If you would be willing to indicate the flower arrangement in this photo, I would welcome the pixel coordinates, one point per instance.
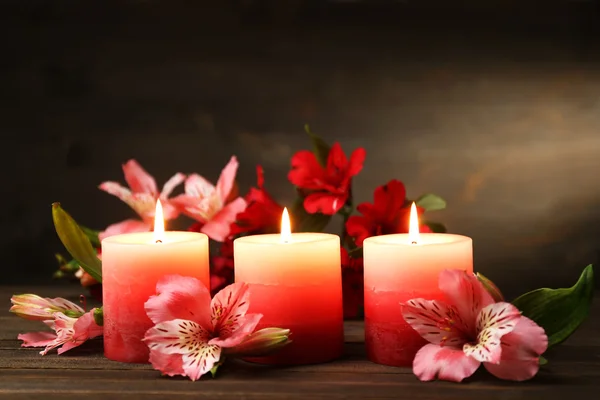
(192, 334)
(322, 179)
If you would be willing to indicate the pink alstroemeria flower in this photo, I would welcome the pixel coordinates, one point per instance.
(69, 333)
(211, 204)
(36, 308)
(141, 197)
(192, 333)
(472, 329)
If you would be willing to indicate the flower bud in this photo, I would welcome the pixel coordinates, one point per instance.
(34, 307)
(261, 343)
(491, 288)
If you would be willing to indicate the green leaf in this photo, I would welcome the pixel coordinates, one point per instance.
(213, 370)
(305, 222)
(436, 227)
(543, 361)
(99, 316)
(559, 311)
(431, 202)
(76, 242)
(92, 235)
(320, 148)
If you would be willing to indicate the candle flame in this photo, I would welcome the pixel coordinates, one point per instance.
(159, 223)
(286, 230)
(413, 226)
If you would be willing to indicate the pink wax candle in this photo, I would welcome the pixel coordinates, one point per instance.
(296, 283)
(398, 268)
(131, 265)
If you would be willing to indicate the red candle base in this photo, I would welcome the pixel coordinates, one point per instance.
(122, 341)
(392, 343)
(389, 340)
(313, 314)
(315, 344)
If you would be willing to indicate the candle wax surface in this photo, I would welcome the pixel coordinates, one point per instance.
(132, 264)
(395, 271)
(295, 285)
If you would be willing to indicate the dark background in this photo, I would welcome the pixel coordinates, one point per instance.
(494, 105)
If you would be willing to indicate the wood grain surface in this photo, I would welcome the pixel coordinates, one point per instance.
(573, 372)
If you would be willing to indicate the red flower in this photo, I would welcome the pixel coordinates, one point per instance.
(389, 213)
(262, 214)
(352, 285)
(329, 187)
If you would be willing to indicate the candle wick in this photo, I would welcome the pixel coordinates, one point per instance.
(414, 242)
(158, 241)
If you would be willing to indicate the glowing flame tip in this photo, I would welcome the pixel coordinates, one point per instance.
(159, 223)
(413, 226)
(286, 230)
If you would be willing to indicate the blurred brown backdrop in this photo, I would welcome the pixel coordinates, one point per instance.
(494, 106)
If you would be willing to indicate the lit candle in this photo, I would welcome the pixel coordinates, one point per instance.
(131, 265)
(398, 268)
(296, 283)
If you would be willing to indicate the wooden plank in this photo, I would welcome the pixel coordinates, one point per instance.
(574, 371)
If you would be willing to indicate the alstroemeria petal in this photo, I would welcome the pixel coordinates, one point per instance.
(245, 328)
(306, 171)
(116, 189)
(218, 227)
(179, 297)
(201, 361)
(178, 336)
(228, 308)
(36, 339)
(171, 184)
(446, 363)
(493, 322)
(435, 321)
(142, 203)
(324, 202)
(167, 364)
(521, 350)
(357, 159)
(466, 293)
(127, 226)
(227, 179)
(197, 186)
(188, 339)
(138, 179)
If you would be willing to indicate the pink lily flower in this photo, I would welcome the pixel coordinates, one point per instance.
(69, 333)
(36, 308)
(211, 205)
(193, 333)
(141, 197)
(472, 329)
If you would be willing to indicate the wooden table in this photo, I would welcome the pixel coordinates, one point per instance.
(573, 372)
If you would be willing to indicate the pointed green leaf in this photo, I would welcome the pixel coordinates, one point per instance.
(99, 316)
(320, 148)
(76, 242)
(436, 227)
(92, 235)
(305, 222)
(431, 202)
(543, 361)
(559, 311)
(213, 370)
